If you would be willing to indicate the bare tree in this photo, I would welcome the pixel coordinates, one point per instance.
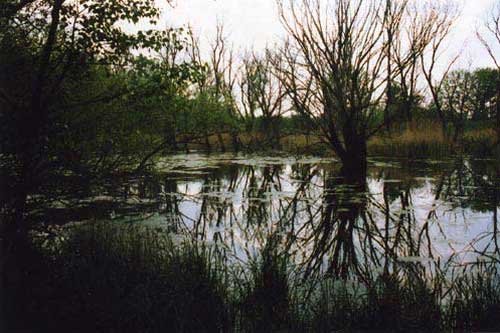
(224, 77)
(334, 67)
(413, 34)
(194, 56)
(248, 91)
(340, 65)
(220, 80)
(440, 20)
(262, 94)
(491, 40)
(393, 19)
(222, 63)
(220, 66)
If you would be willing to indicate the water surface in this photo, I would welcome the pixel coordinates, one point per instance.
(439, 213)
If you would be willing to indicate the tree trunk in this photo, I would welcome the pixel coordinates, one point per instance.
(236, 141)
(354, 162)
(33, 130)
(271, 132)
(170, 136)
(207, 143)
(444, 128)
(276, 133)
(458, 129)
(221, 142)
(408, 109)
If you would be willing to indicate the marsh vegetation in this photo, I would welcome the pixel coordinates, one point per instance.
(257, 243)
(346, 178)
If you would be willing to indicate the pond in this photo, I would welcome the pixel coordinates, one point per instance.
(440, 213)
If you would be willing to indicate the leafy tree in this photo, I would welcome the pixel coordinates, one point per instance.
(68, 66)
(490, 38)
(457, 99)
(468, 95)
(486, 81)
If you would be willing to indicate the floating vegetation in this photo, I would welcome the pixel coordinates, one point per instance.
(415, 259)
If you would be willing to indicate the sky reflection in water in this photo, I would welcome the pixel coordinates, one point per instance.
(437, 212)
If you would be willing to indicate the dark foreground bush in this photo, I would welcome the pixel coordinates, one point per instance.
(109, 278)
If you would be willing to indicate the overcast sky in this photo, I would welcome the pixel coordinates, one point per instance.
(255, 23)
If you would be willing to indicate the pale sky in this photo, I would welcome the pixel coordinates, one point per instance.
(255, 23)
(248, 22)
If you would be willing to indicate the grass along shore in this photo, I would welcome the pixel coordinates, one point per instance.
(423, 139)
(105, 277)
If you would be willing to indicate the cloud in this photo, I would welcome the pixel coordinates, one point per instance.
(255, 23)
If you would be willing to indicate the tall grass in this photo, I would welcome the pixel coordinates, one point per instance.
(112, 279)
(266, 301)
(108, 278)
(475, 303)
(388, 304)
(418, 139)
(425, 139)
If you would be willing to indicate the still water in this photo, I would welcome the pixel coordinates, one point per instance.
(439, 213)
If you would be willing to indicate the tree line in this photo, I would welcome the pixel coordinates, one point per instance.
(82, 92)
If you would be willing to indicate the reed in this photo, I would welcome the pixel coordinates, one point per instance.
(418, 139)
(475, 303)
(115, 278)
(426, 139)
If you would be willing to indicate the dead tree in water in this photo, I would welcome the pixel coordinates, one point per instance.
(334, 70)
(340, 66)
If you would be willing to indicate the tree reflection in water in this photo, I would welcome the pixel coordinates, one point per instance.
(433, 217)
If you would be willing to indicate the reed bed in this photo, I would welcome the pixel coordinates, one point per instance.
(425, 139)
(418, 139)
(104, 277)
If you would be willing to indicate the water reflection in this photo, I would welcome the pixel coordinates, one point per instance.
(441, 215)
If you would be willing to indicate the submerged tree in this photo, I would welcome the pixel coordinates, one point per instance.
(340, 65)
